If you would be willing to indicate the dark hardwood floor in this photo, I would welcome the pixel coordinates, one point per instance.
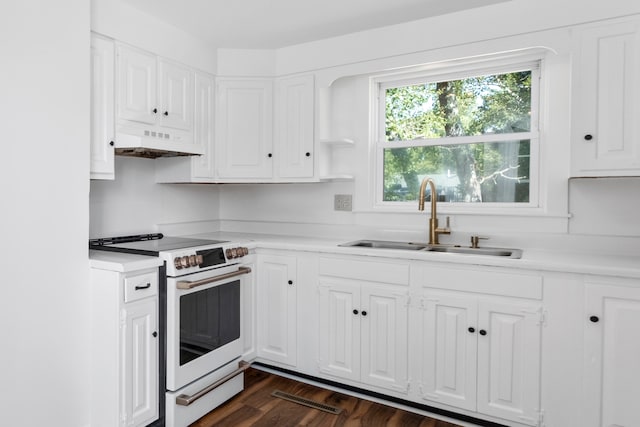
(256, 407)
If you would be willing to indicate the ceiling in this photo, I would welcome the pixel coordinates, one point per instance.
(272, 24)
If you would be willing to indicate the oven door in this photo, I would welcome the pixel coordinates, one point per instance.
(203, 323)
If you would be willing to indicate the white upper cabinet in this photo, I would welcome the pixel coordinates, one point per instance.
(244, 120)
(262, 134)
(102, 107)
(195, 168)
(142, 97)
(612, 354)
(137, 80)
(176, 95)
(294, 130)
(154, 104)
(606, 97)
(204, 166)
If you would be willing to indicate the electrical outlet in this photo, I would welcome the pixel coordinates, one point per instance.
(342, 202)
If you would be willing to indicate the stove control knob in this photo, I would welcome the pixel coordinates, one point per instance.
(199, 260)
(176, 263)
(192, 261)
(228, 253)
(184, 261)
(245, 251)
(234, 252)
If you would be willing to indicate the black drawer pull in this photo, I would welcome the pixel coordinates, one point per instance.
(140, 287)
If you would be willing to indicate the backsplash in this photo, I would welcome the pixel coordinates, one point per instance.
(134, 203)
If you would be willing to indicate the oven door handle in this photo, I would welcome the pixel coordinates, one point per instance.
(186, 400)
(185, 284)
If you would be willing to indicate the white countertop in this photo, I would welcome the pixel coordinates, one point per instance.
(534, 259)
(121, 262)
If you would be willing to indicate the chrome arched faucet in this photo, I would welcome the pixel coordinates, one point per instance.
(434, 231)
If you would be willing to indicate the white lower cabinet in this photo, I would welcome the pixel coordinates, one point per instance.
(277, 308)
(249, 306)
(363, 332)
(612, 356)
(481, 353)
(125, 348)
(140, 353)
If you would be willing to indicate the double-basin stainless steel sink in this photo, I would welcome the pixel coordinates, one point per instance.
(452, 249)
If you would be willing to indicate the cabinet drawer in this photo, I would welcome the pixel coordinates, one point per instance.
(140, 286)
(484, 281)
(379, 271)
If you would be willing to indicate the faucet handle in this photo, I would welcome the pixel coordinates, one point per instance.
(475, 240)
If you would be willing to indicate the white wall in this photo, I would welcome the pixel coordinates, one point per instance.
(605, 207)
(133, 203)
(513, 17)
(44, 229)
(121, 21)
(498, 28)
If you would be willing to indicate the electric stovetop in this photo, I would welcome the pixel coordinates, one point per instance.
(148, 244)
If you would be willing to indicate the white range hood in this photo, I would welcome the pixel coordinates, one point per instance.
(152, 143)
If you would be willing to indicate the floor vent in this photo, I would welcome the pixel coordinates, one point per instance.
(306, 402)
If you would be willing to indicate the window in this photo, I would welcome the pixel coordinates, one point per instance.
(475, 133)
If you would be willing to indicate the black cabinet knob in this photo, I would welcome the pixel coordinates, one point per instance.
(364, 313)
(307, 154)
(155, 334)
(482, 332)
(166, 113)
(290, 282)
(111, 143)
(594, 319)
(588, 137)
(269, 155)
(355, 311)
(155, 110)
(472, 329)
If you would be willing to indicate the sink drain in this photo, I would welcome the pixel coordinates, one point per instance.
(306, 402)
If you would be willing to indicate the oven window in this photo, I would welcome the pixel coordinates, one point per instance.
(209, 319)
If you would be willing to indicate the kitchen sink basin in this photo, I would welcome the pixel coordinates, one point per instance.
(452, 249)
(500, 252)
(383, 244)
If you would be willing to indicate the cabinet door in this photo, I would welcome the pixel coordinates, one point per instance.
(203, 166)
(509, 360)
(140, 353)
(137, 80)
(384, 328)
(277, 308)
(248, 320)
(102, 107)
(294, 117)
(339, 334)
(449, 349)
(244, 128)
(176, 96)
(612, 355)
(606, 138)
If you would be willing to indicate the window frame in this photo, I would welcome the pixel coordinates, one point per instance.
(448, 72)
